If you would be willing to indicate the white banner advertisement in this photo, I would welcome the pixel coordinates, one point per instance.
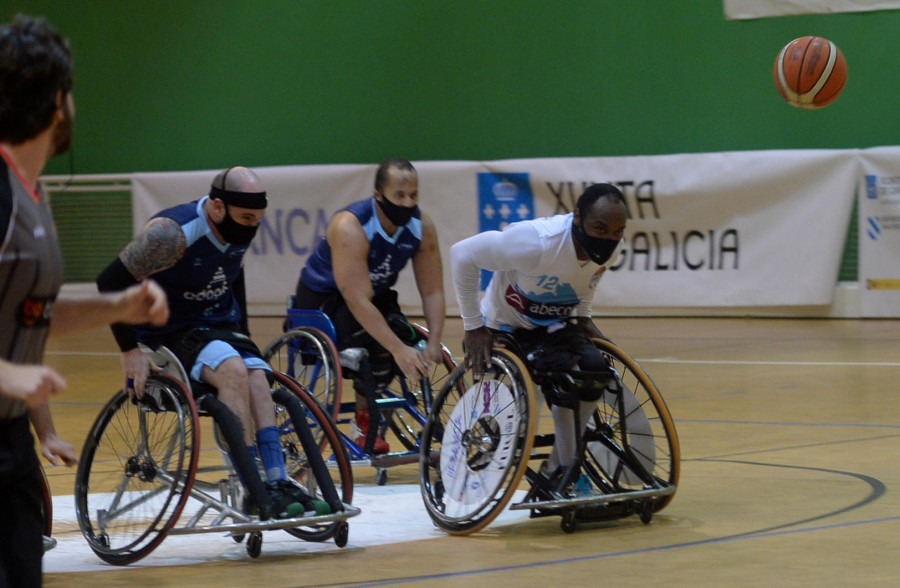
(736, 229)
(745, 9)
(879, 232)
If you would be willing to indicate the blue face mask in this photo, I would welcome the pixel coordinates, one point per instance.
(398, 215)
(598, 249)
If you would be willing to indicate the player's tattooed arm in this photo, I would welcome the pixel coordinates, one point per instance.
(159, 246)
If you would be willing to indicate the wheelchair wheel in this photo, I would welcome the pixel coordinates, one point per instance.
(297, 460)
(309, 356)
(476, 444)
(407, 424)
(136, 470)
(631, 443)
(46, 504)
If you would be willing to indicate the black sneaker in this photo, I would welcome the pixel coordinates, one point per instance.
(290, 498)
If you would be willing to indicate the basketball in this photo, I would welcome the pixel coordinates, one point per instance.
(810, 72)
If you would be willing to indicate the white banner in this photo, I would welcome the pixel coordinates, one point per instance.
(740, 229)
(745, 9)
(879, 232)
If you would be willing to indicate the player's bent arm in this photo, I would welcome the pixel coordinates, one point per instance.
(516, 248)
(158, 246)
(141, 303)
(349, 252)
(429, 274)
(33, 384)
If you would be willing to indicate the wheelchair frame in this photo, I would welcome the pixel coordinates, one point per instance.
(307, 352)
(139, 466)
(471, 467)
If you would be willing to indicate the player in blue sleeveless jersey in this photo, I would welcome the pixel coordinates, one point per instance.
(351, 274)
(195, 251)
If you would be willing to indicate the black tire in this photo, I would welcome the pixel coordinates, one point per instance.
(297, 460)
(309, 356)
(46, 504)
(631, 443)
(136, 470)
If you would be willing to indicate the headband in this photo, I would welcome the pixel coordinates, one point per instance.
(253, 200)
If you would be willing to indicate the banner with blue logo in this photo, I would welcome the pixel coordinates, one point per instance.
(503, 198)
(879, 233)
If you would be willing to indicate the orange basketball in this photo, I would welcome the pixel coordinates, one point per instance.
(810, 72)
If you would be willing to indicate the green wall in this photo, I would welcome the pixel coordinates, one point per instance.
(184, 84)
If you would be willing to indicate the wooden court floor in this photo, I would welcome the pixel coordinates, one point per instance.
(790, 445)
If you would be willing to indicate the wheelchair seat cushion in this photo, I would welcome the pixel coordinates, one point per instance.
(190, 343)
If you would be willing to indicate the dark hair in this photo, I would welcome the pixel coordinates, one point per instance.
(595, 192)
(35, 67)
(381, 176)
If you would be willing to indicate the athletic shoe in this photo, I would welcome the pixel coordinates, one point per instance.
(292, 494)
(359, 428)
(583, 486)
(49, 543)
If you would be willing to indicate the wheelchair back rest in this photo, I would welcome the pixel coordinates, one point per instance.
(164, 358)
(307, 317)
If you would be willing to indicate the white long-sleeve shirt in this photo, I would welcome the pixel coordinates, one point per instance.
(537, 281)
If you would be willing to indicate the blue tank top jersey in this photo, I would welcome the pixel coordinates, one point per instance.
(200, 285)
(387, 255)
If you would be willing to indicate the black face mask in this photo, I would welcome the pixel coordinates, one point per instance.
(398, 215)
(234, 232)
(598, 249)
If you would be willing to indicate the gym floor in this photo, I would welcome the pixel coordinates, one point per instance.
(790, 437)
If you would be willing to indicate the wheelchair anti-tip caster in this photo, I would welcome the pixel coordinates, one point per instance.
(254, 544)
(646, 512)
(568, 522)
(342, 534)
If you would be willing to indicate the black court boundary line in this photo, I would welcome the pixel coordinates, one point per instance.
(877, 490)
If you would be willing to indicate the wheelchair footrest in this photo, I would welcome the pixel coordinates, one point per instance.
(595, 499)
(267, 525)
(390, 403)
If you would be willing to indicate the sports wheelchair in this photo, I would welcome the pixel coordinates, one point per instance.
(141, 470)
(480, 440)
(307, 352)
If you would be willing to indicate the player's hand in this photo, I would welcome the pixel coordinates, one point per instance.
(411, 362)
(136, 366)
(144, 303)
(434, 355)
(478, 344)
(54, 447)
(33, 384)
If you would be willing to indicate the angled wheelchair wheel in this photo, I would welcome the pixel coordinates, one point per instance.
(476, 444)
(309, 356)
(136, 470)
(631, 443)
(46, 504)
(334, 464)
(407, 424)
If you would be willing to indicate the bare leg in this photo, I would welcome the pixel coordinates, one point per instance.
(232, 382)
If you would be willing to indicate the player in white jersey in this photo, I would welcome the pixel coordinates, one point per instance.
(545, 273)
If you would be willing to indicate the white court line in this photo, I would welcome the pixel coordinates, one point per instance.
(392, 513)
(737, 362)
(92, 353)
(639, 360)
